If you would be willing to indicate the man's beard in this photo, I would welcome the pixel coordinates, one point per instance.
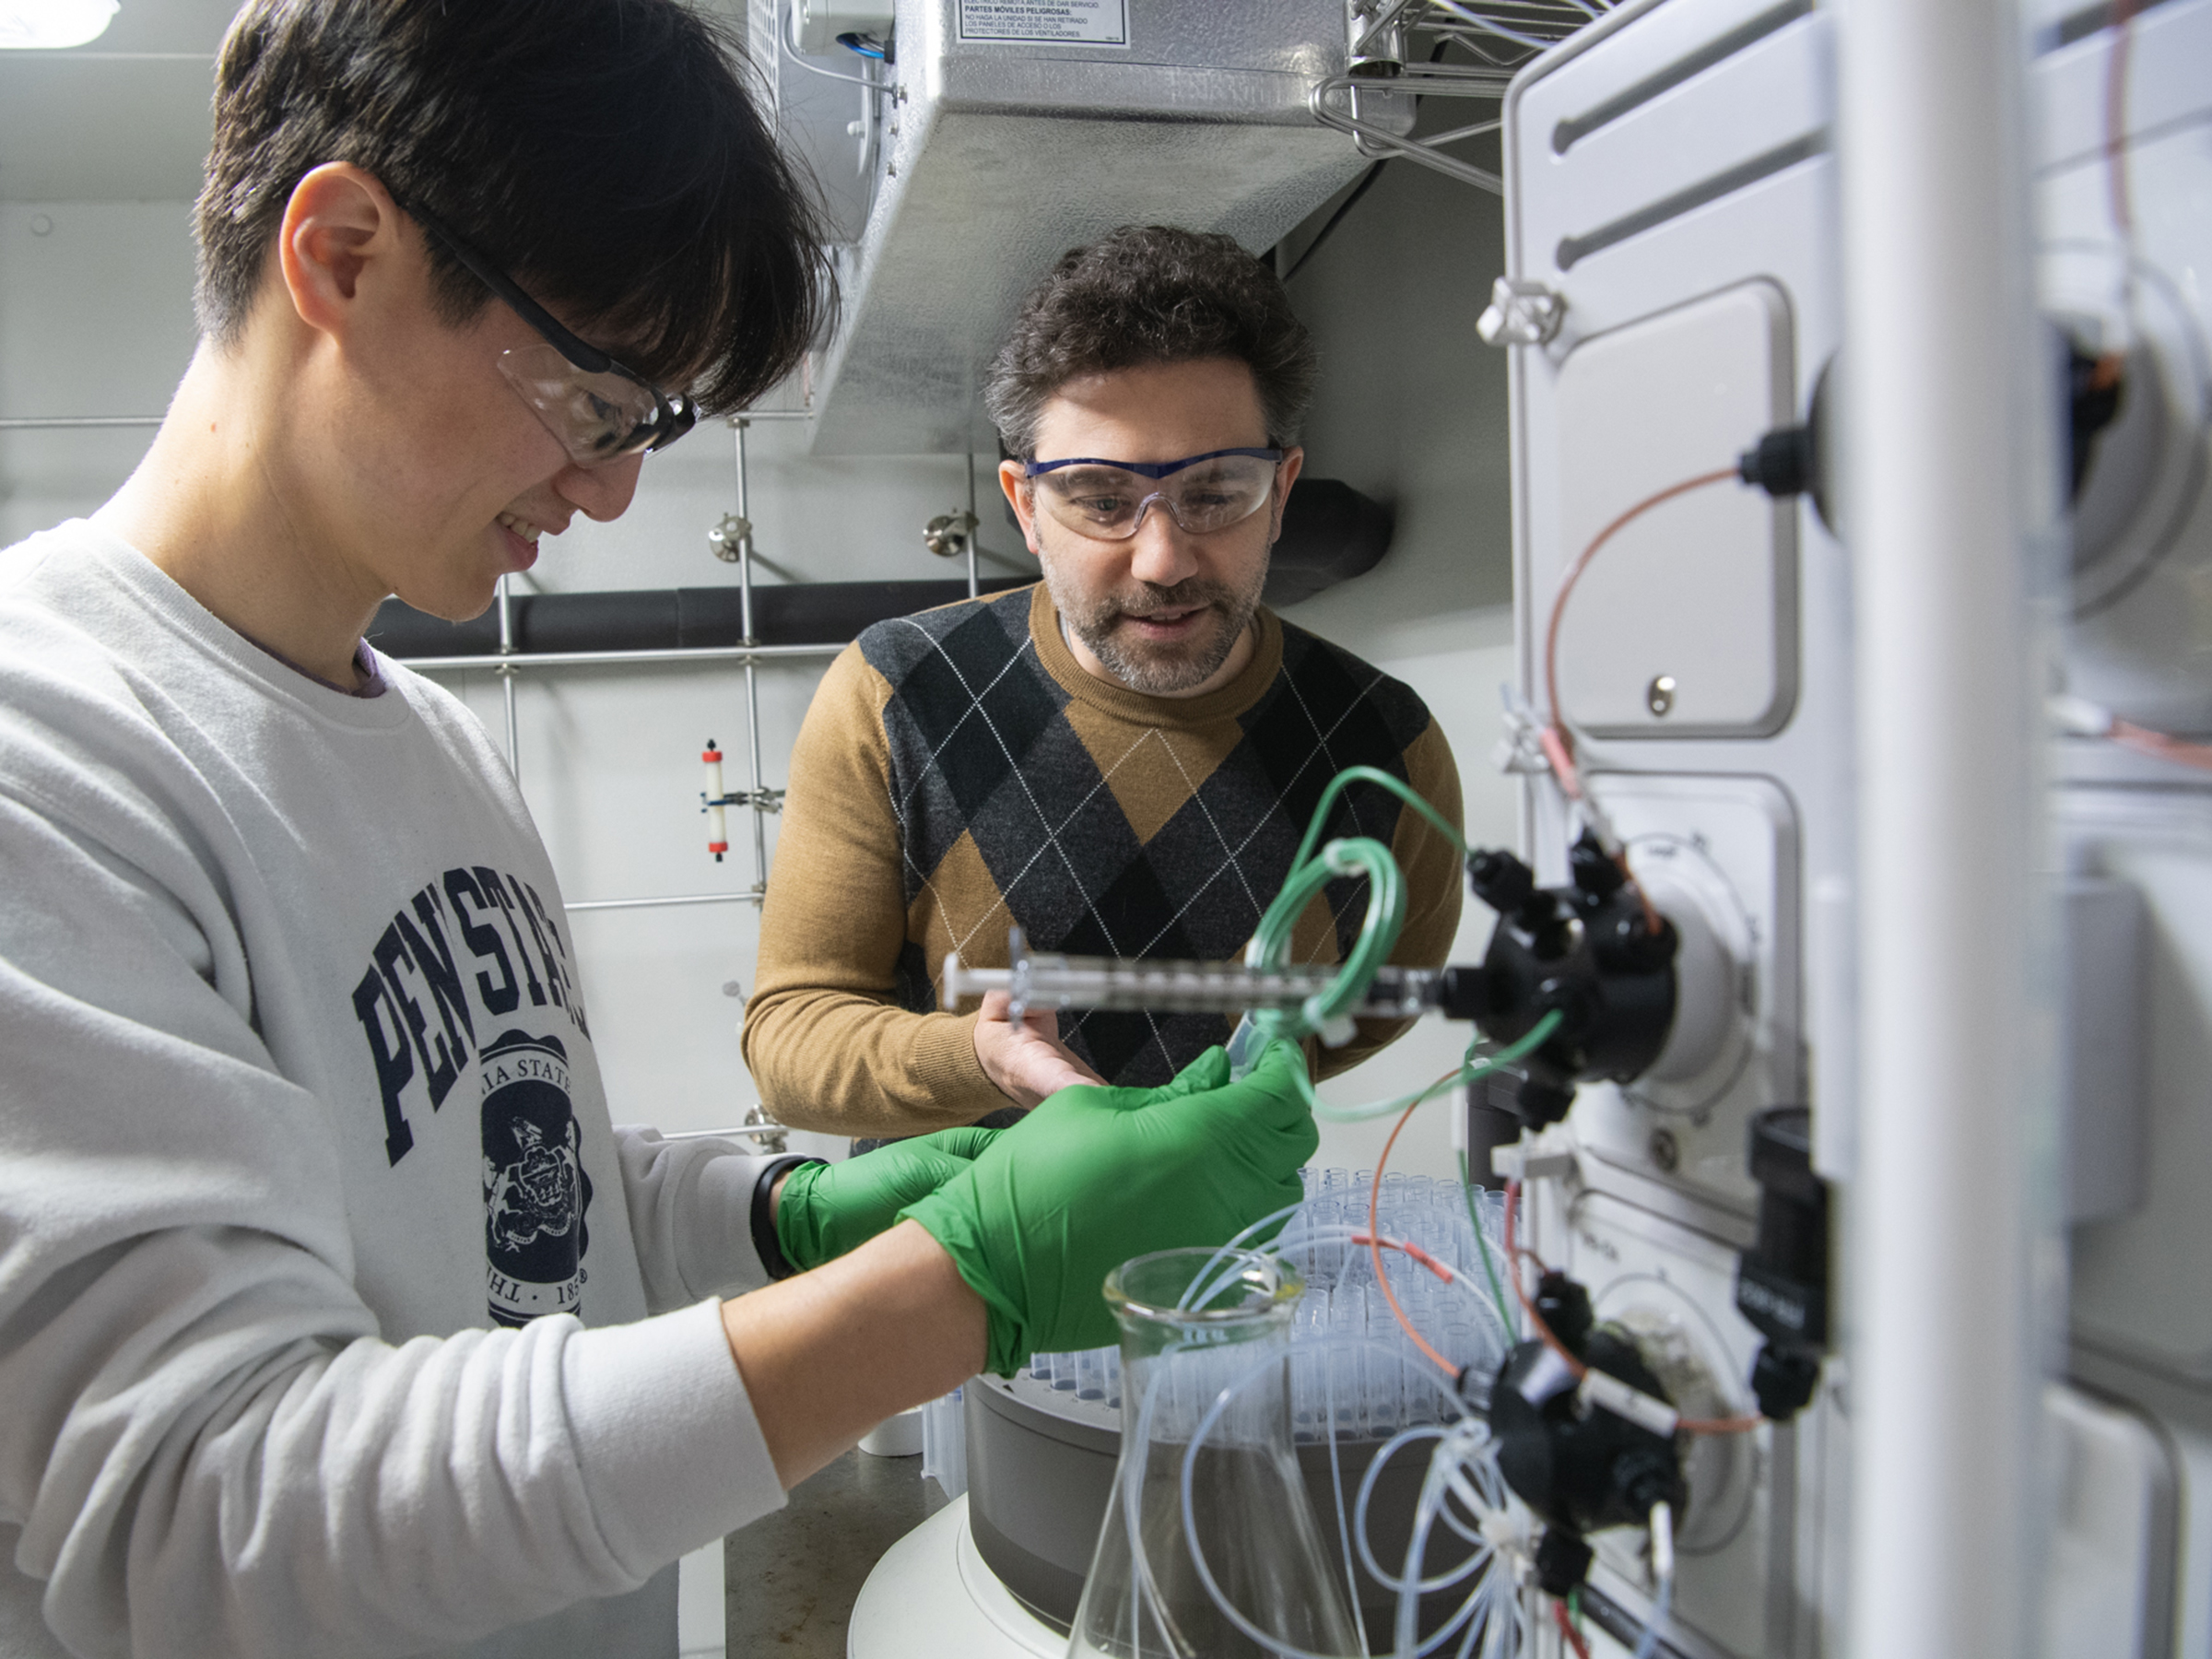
(1165, 669)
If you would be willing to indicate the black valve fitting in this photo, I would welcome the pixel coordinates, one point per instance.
(1509, 887)
(1500, 880)
(1782, 1282)
(1626, 944)
(1562, 1561)
(1784, 1380)
(1564, 1307)
(1587, 952)
(1797, 459)
(1463, 994)
(1580, 1470)
(2095, 384)
(1646, 1476)
(1597, 874)
(1540, 1102)
(1781, 463)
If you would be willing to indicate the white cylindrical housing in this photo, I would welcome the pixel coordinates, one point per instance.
(718, 831)
(1939, 384)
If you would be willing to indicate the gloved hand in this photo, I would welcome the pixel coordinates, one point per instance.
(826, 1210)
(1095, 1176)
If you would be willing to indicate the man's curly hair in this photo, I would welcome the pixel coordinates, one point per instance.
(1151, 294)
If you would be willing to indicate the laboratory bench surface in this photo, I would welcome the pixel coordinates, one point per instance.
(791, 1580)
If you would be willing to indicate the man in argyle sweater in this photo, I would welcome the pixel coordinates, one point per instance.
(1120, 760)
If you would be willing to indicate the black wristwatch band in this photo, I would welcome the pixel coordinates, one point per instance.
(765, 1242)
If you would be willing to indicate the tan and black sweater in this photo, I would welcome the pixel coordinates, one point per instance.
(960, 773)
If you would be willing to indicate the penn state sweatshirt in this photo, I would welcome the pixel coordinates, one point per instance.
(335, 1318)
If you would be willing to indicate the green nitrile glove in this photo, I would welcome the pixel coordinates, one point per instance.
(1094, 1176)
(827, 1209)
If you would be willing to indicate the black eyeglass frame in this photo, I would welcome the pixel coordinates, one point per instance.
(674, 414)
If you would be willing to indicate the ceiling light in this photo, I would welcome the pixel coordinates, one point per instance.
(50, 25)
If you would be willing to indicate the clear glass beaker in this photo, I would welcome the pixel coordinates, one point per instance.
(1205, 1343)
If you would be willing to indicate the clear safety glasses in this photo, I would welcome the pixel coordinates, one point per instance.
(599, 410)
(1109, 499)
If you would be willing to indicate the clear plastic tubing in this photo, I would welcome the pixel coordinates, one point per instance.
(1354, 1373)
(1243, 1499)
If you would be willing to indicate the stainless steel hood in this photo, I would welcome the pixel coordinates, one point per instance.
(999, 154)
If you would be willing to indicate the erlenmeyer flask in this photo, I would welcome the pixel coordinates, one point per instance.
(1205, 1343)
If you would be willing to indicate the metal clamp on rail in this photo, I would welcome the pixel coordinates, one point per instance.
(716, 796)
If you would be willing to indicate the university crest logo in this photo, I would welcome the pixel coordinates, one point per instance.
(536, 1191)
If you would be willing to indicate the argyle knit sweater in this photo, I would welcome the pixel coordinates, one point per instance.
(959, 773)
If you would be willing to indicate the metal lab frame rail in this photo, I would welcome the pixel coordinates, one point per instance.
(747, 654)
(508, 662)
(74, 423)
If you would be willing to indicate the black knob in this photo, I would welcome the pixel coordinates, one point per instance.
(1575, 1002)
(1562, 1561)
(1565, 1306)
(1645, 1476)
(1783, 1380)
(1783, 462)
(1540, 1103)
(1463, 993)
(1500, 880)
(1622, 939)
(1595, 872)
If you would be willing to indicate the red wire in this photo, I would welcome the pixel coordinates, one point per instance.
(1574, 574)
(1512, 1271)
(1558, 739)
(2115, 118)
(1575, 1637)
(2160, 745)
(1374, 1246)
(1408, 1247)
(1736, 1425)
(1650, 910)
(1553, 741)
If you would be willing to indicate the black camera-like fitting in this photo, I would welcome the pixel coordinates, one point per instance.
(1581, 1470)
(1800, 460)
(1587, 951)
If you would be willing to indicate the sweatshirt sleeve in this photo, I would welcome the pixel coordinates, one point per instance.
(824, 1038)
(1433, 882)
(208, 1447)
(690, 1214)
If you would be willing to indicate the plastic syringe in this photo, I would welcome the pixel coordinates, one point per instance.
(1046, 979)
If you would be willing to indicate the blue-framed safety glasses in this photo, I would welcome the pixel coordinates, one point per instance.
(1109, 499)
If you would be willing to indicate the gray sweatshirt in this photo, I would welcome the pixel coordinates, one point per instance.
(335, 1316)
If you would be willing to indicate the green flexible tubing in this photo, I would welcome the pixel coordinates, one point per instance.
(1379, 931)
(1397, 786)
(1489, 1268)
(1308, 874)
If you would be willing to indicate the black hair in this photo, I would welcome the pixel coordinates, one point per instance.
(1151, 294)
(610, 155)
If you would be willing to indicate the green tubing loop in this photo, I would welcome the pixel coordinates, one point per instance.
(1379, 930)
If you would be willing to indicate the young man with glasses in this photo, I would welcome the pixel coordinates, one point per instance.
(1120, 761)
(336, 1317)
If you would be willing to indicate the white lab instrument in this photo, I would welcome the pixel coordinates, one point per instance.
(1811, 756)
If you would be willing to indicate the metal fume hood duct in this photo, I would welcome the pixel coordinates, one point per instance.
(999, 154)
